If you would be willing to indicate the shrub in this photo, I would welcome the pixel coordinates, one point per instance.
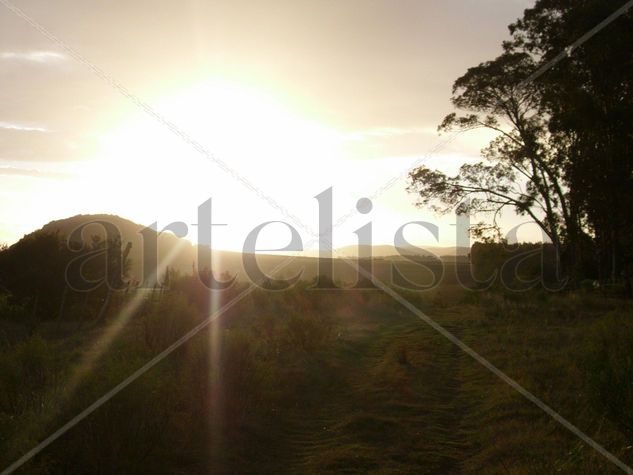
(309, 332)
(167, 320)
(27, 371)
(608, 364)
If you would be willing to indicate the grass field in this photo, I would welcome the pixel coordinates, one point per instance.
(330, 382)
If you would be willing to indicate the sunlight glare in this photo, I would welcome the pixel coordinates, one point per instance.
(264, 141)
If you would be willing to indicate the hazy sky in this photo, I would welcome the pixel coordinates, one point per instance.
(295, 96)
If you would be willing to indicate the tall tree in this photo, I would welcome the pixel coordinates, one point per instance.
(520, 167)
(564, 151)
(589, 99)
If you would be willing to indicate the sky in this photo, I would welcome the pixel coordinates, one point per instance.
(249, 103)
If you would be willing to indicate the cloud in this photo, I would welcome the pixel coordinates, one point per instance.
(23, 128)
(388, 132)
(19, 143)
(380, 142)
(28, 172)
(38, 57)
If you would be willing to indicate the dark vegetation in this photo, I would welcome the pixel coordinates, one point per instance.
(564, 152)
(305, 381)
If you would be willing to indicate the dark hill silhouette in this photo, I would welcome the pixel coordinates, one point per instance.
(181, 255)
(178, 253)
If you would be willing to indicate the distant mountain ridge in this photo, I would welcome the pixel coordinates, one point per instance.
(130, 231)
(388, 250)
(183, 256)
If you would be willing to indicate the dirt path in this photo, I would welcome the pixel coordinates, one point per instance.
(394, 405)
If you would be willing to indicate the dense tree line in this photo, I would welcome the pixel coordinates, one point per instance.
(564, 151)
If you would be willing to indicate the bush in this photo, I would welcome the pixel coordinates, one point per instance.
(309, 333)
(167, 320)
(608, 364)
(12, 311)
(27, 372)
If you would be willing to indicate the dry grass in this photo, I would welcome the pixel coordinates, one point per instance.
(345, 382)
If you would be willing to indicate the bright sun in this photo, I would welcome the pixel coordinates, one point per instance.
(157, 174)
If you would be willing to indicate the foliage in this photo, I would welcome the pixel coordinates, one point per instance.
(589, 100)
(319, 381)
(44, 273)
(167, 320)
(563, 151)
(609, 367)
(25, 370)
(515, 266)
(520, 168)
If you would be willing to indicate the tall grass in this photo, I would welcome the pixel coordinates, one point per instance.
(316, 381)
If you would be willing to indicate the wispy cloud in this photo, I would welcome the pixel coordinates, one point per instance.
(29, 172)
(387, 132)
(32, 142)
(39, 57)
(24, 128)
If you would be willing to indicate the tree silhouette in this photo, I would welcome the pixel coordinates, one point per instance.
(521, 166)
(589, 102)
(564, 150)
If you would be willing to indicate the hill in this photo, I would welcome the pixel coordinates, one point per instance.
(181, 255)
(171, 250)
